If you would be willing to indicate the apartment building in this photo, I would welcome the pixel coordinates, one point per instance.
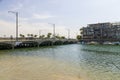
(101, 32)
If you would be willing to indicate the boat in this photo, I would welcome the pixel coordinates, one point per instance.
(108, 43)
(92, 43)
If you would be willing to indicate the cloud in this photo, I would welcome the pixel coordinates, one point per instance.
(55, 2)
(23, 19)
(16, 7)
(8, 28)
(42, 16)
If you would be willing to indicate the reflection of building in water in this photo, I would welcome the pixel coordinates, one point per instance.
(101, 32)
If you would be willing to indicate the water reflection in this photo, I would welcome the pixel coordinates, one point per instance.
(68, 62)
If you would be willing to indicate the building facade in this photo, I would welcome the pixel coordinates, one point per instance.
(101, 32)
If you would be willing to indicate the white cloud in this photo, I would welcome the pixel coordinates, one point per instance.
(23, 19)
(42, 16)
(16, 7)
(55, 2)
(9, 28)
(6, 28)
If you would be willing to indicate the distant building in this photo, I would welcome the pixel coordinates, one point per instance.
(101, 32)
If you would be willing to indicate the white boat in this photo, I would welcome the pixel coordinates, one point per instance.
(92, 43)
(108, 43)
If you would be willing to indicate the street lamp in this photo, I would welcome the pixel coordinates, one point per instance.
(16, 13)
(53, 29)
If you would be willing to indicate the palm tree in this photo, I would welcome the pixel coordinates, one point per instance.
(49, 35)
(43, 36)
(35, 36)
(28, 35)
(31, 35)
(57, 36)
(62, 37)
(78, 37)
(22, 36)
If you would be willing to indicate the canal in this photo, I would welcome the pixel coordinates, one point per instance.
(65, 62)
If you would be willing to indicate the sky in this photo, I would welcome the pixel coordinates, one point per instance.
(38, 15)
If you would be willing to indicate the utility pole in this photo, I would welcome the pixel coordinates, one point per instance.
(16, 13)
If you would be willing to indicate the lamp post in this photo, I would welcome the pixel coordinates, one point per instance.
(16, 13)
(53, 29)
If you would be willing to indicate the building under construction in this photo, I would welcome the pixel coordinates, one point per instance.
(101, 32)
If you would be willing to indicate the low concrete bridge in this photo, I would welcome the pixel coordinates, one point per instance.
(34, 43)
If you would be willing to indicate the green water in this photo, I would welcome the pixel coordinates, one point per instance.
(66, 62)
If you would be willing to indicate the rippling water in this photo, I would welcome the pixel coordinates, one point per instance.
(67, 62)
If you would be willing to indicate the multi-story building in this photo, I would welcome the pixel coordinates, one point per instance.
(101, 32)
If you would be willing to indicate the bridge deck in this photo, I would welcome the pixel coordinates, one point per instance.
(35, 42)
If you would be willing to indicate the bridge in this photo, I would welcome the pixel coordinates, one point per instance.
(22, 43)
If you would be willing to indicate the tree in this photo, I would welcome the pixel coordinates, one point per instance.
(31, 35)
(28, 35)
(49, 35)
(57, 36)
(35, 36)
(22, 36)
(42, 36)
(78, 37)
(62, 37)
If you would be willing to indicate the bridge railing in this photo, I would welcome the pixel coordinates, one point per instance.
(33, 39)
